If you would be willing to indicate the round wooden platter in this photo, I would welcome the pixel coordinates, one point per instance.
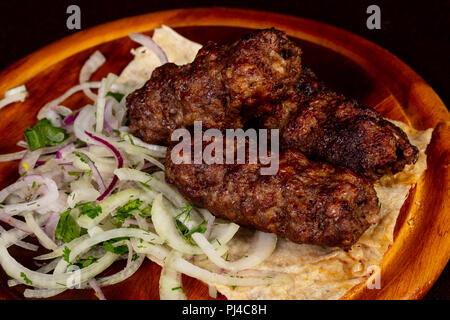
(349, 63)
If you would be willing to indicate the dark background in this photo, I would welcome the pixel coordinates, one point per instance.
(416, 31)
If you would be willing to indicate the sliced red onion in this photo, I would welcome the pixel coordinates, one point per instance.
(51, 224)
(119, 163)
(40, 163)
(67, 148)
(148, 42)
(71, 118)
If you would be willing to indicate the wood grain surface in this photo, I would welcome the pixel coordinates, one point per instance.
(349, 63)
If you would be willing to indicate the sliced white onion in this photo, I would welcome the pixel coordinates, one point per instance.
(148, 42)
(98, 292)
(165, 226)
(51, 194)
(44, 269)
(39, 233)
(209, 218)
(54, 103)
(12, 156)
(59, 251)
(105, 86)
(170, 285)
(14, 237)
(54, 281)
(95, 61)
(41, 293)
(14, 95)
(109, 205)
(212, 291)
(185, 267)
(169, 192)
(156, 150)
(105, 236)
(262, 246)
(158, 251)
(29, 161)
(51, 224)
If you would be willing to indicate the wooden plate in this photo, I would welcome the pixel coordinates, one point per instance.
(351, 64)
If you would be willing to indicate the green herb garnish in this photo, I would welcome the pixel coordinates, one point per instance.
(66, 254)
(187, 211)
(85, 262)
(108, 245)
(67, 228)
(90, 209)
(25, 278)
(124, 211)
(44, 134)
(186, 234)
(115, 95)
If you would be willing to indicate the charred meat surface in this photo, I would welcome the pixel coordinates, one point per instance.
(223, 87)
(306, 202)
(260, 77)
(332, 128)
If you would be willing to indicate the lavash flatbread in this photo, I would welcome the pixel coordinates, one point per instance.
(328, 273)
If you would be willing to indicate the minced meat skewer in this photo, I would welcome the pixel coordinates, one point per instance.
(329, 127)
(223, 87)
(306, 202)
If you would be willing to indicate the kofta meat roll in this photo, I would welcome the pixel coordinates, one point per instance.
(329, 127)
(259, 70)
(306, 202)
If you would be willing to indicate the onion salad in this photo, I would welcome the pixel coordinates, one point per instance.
(90, 193)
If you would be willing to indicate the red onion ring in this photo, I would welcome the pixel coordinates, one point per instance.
(70, 119)
(65, 149)
(119, 163)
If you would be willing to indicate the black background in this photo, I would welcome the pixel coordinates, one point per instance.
(416, 31)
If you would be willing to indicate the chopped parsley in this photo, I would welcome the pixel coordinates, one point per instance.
(67, 228)
(108, 245)
(85, 262)
(145, 212)
(79, 144)
(90, 209)
(44, 134)
(66, 254)
(115, 95)
(124, 212)
(83, 158)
